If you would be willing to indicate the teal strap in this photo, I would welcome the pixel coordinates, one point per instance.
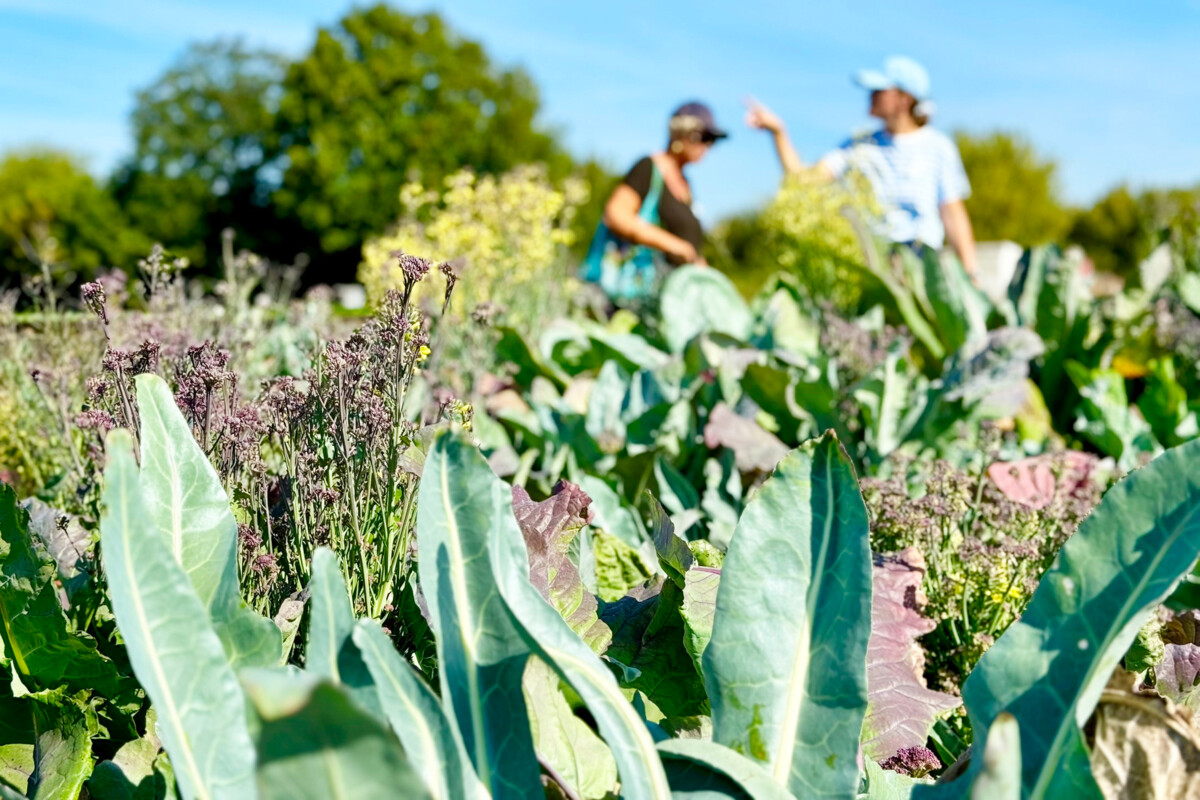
(649, 209)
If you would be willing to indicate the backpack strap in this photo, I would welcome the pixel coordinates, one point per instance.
(649, 209)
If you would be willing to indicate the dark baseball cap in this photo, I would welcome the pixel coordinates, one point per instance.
(696, 116)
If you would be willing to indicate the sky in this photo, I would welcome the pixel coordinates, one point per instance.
(1111, 90)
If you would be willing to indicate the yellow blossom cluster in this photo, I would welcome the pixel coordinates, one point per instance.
(504, 235)
(807, 229)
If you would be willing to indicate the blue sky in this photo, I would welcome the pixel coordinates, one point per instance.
(1110, 89)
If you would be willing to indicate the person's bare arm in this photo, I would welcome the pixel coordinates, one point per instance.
(760, 117)
(959, 233)
(621, 217)
(764, 119)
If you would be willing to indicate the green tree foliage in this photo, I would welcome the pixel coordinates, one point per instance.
(203, 137)
(53, 213)
(384, 97)
(1014, 194)
(1122, 228)
(1114, 232)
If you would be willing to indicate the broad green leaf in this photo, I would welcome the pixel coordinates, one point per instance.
(430, 741)
(315, 743)
(906, 303)
(786, 665)
(722, 498)
(618, 567)
(604, 423)
(696, 300)
(1000, 778)
(1050, 666)
(1105, 417)
(33, 629)
(330, 652)
(703, 769)
(959, 309)
(673, 554)
(188, 506)
(16, 739)
(564, 740)
(1062, 311)
(512, 348)
(477, 504)
(62, 753)
(1028, 280)
(130, 775)
(172, 646)
(699, 610)
(674, 490)
(883, 784)
(648, 644)
(481, 653)
(891, 401)
(614, 517)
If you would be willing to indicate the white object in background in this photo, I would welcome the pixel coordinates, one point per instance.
(995, 263)
(350, 296)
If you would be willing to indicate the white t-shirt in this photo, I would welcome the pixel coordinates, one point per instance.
(913, 175)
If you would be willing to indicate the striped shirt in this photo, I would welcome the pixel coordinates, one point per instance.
(912, 174)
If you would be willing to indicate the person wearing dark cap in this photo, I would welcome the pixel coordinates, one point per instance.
(648, 224)
(915, 171)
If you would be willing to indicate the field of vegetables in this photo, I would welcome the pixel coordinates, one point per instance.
(253, 545)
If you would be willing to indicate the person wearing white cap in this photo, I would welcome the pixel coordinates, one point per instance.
(915, 171)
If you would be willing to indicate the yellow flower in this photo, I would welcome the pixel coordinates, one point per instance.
(509, 232)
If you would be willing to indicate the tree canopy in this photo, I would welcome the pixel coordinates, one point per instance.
(310, 155)
(384, 97)
(1014, 194)
(53, 213)
(204, 135)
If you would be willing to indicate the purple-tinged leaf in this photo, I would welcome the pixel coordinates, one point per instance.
(1177, 674)
(549, 527)
(754, 448)
(901, 710)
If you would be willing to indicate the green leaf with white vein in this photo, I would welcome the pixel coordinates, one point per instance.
(316, 743)
(1050, 666)
(172, 646)
(64, 726)
(431, 742)
(481, 654)
(484, 505)
(188, 506)
(786, 665)
(329, 651)
(703, 769)
(564, 740)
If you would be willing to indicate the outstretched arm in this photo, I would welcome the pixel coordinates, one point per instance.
(760, 117)
(959, 233)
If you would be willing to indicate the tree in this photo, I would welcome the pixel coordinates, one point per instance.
(384, 97)
(1122, 229)
(53, 215)
(1115, 232)
(205, 151)
(1014, 194)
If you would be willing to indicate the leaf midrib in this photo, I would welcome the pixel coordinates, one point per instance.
(1056, 745)
(797, 689)
(152, 651)
(458, 582)
(429, 743)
